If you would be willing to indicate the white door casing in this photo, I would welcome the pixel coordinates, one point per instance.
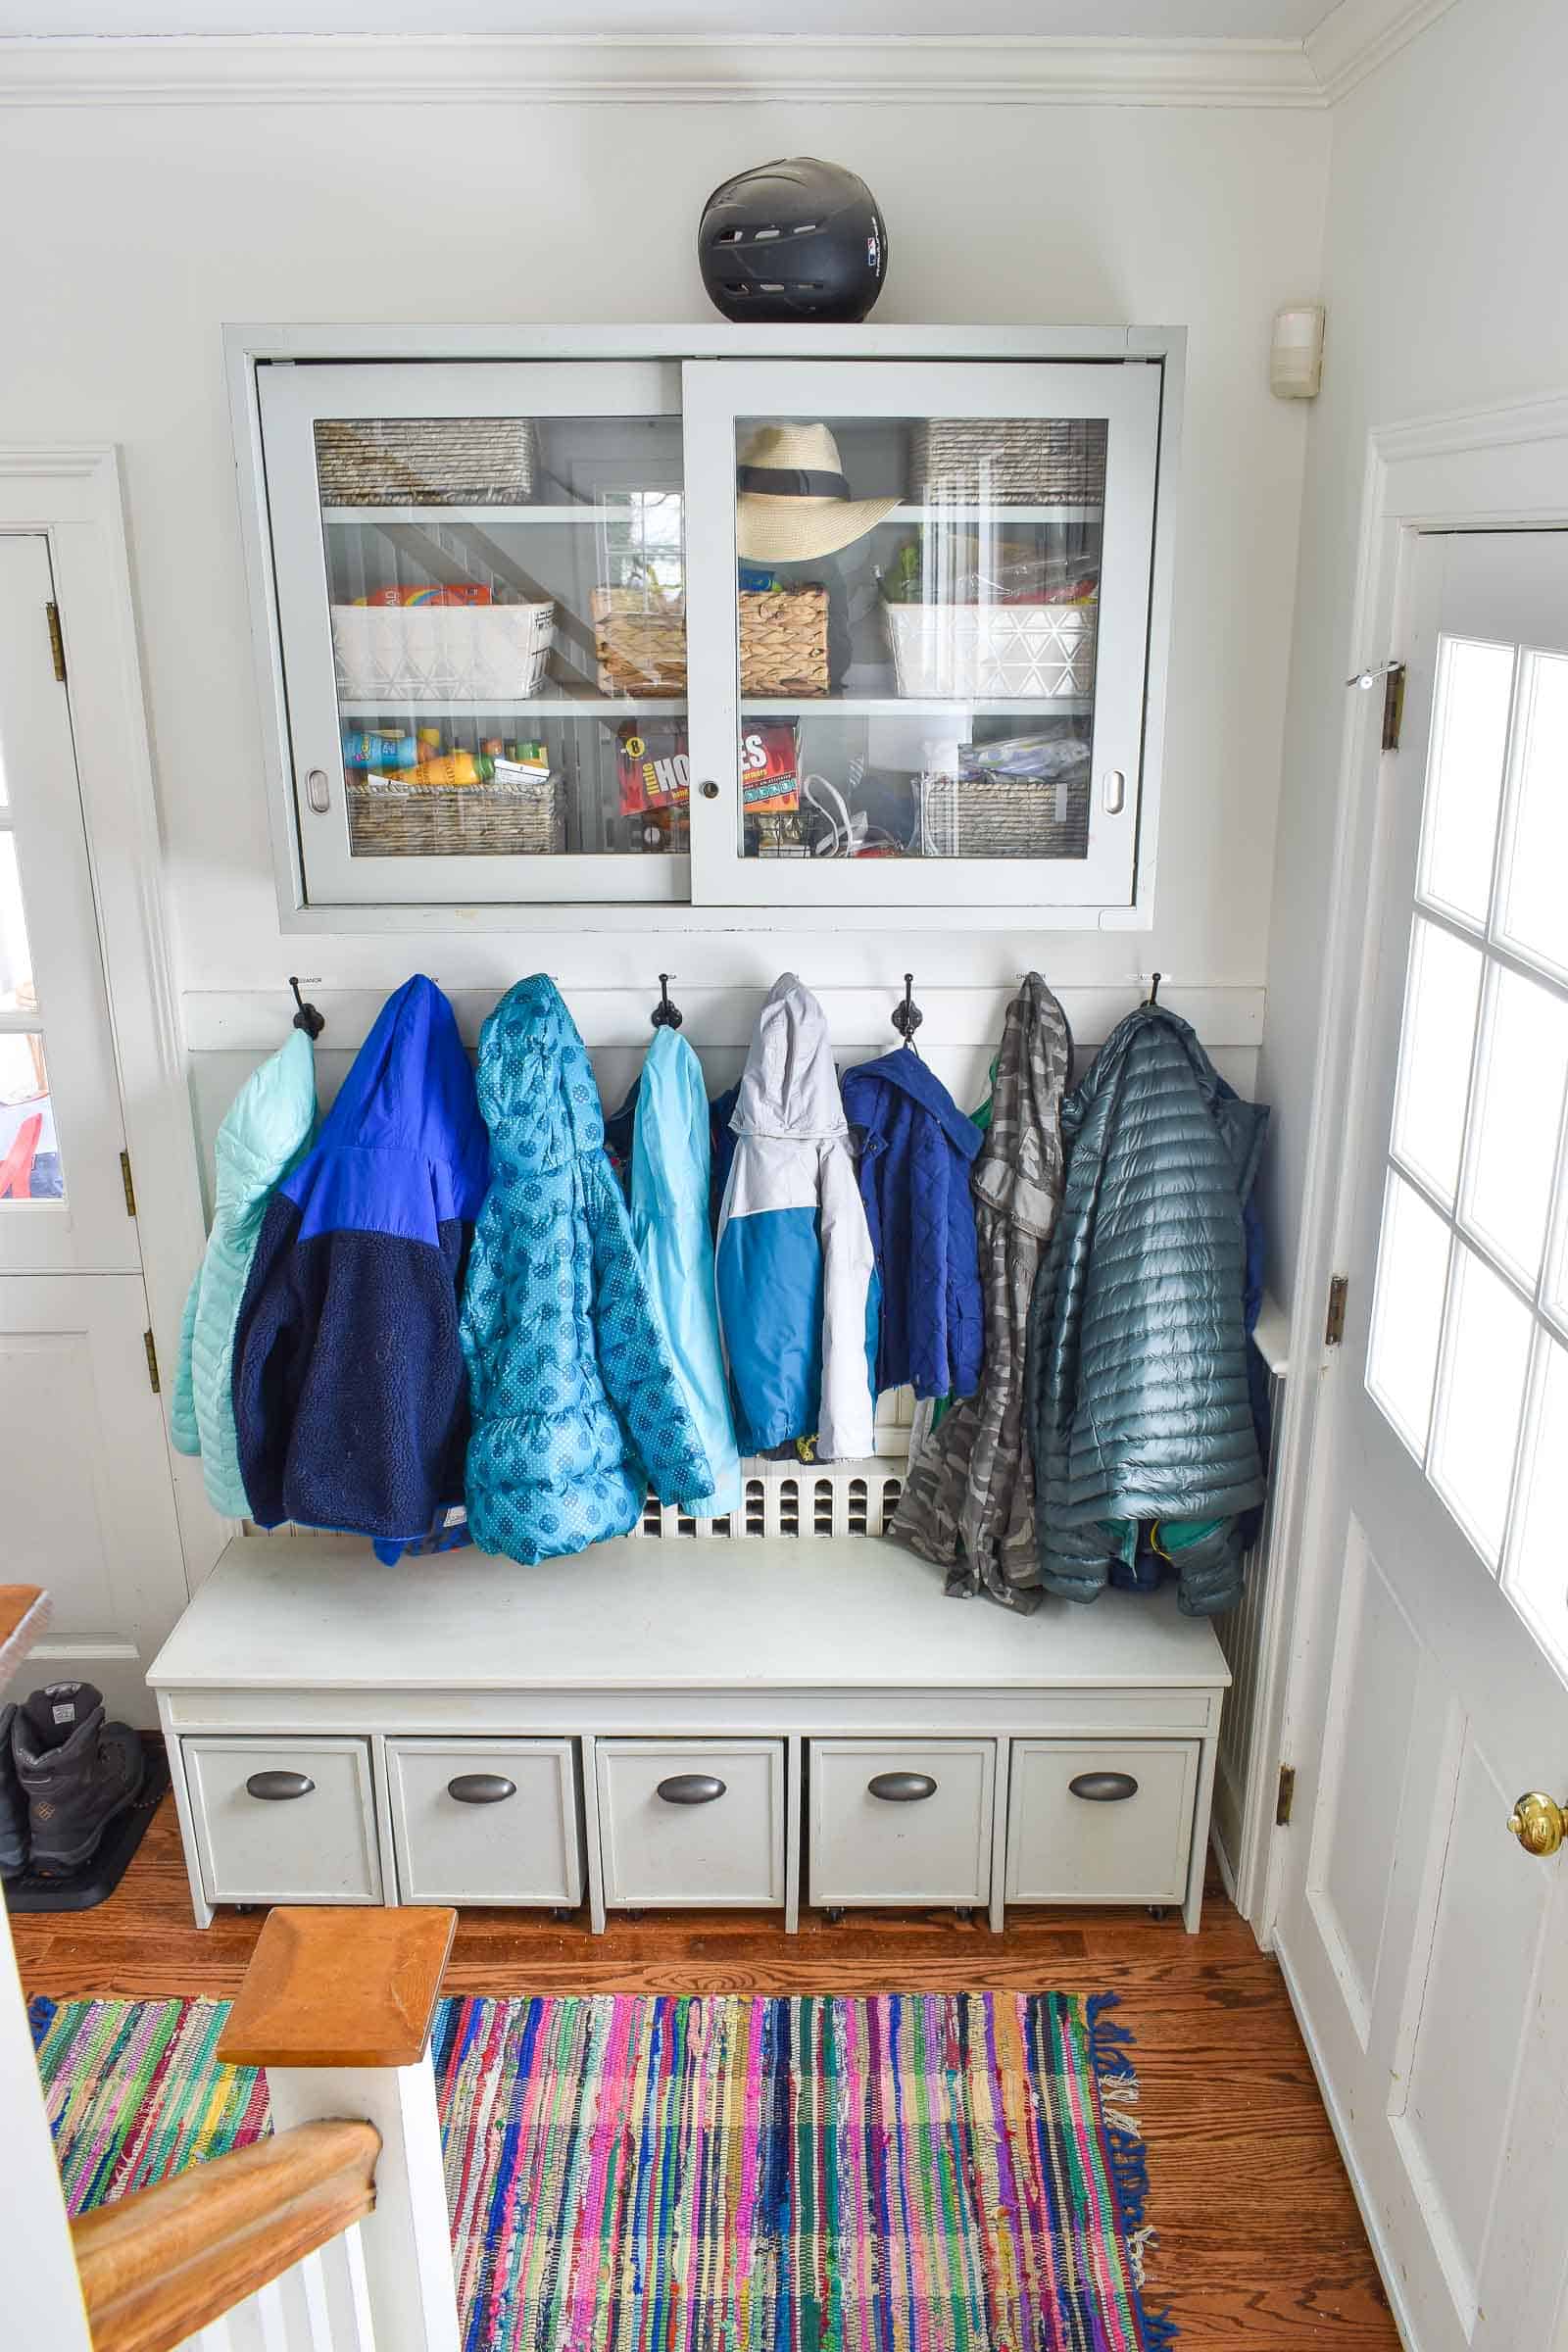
(1422, 1946)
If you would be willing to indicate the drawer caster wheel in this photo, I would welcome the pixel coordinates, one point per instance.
(834, 1915)
(562, 1915)
(1158, 1910)
(963, 1913)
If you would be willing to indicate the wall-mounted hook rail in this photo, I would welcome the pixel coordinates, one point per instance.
(306, 1016)
(665, 1014)
(907, 1016)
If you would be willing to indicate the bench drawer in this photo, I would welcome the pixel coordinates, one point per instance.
(284, 1821)
(1099, 1821)
(485, 1821)
(691, 1821)
(900, 1821)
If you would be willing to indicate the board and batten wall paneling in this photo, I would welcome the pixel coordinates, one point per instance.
(166, 220)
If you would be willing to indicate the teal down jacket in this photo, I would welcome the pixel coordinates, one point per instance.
(576, 1405)
(268, 1127)
(1138, 1396)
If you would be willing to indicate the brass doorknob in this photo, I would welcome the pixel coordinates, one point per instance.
(1539, 1823)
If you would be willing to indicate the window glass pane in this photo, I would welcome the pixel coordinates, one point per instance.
(1464, 774)
(1538, 1572)
(16, 993)
(1408, 1311)
(29, 1152)
(918, 623)
(1485, 1361)
(1514, 1119)
(1534, 914)
(509, 630)
(1440, 1017)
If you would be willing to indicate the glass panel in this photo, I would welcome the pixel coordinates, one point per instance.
(919, 601)
(1538, 1573)
(508, 602)
(29, 1151)
(1407, 1311)
(17, 990)
(1464, 774)
(1515, 1119)
(1440, 995)
(1485, 1360)
(1533, 915)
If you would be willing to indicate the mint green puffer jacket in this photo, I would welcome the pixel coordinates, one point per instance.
(268, 1125)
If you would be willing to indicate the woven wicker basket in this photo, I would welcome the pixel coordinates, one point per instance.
(389, 819)
(1010, 461)
(1017, 652)
(641, 648)
(426, 460)
(1005, 816)
(395, 654)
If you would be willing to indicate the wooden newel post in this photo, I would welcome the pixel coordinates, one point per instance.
(337, 2005)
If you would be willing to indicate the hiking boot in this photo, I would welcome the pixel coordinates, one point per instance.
(13, 1804)
(78, 1773)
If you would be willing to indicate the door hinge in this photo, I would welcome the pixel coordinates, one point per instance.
(1334, 1325)
(151, 1346)
(1393, 707)
(1286, 1798)
(56, 641)
(131, 1188)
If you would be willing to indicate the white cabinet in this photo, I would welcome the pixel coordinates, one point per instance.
(485, 1821)
(1100, 1822)
(709, 620)
(900, 1821)
(284, 1821)
(691, 1823)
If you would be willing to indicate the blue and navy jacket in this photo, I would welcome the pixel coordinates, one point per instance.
(351, 1401)
(797, 1281)
(916, 1150)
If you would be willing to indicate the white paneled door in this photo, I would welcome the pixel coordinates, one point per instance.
(84, 1473)
(1427, 1942)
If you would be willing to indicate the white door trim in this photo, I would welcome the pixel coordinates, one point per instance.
(1485, 468)
(73, 495)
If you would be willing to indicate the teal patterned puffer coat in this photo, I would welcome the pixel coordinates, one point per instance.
(575, 1403)
(1138, 1392)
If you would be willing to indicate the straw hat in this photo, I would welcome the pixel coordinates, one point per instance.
(793, 500)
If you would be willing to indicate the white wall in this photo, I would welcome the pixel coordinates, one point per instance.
(135, 230)
(1447, 198)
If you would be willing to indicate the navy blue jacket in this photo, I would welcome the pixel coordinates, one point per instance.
(351, 1397)
(916, 1150)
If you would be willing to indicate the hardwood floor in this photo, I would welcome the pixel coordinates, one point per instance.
(1261, 2244)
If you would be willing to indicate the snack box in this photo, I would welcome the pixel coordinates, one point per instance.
(654, 766)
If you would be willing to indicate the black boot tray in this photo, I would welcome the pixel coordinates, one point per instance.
(97, 1878)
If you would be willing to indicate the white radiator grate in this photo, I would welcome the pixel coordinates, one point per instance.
(850, 1499)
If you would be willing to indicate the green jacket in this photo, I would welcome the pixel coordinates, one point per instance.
(1139, 1406)
(268, 1125)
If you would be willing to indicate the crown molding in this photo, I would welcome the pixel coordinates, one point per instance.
(667, 70)
(1359, 35)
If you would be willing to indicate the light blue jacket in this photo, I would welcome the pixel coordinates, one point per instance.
(671, 1155)
(576, 1405)
(268, 1126)
(796, 1282)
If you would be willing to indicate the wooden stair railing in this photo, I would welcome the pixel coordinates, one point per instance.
(163, 2262)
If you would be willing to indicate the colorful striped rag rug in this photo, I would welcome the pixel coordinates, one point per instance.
(914, 2172)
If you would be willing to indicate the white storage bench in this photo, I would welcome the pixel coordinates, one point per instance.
(757, 1723)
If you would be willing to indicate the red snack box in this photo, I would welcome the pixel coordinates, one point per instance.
(654, 766)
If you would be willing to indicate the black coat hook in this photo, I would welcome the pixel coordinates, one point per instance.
(665, 1014)
(1154, 989)
(907, 1016)
(307, 1017)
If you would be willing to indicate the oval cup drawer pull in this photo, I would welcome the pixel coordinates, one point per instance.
(481, 1787)
(1103, 1787)
(902, 1787)
(691, 1788)
(273, 1787)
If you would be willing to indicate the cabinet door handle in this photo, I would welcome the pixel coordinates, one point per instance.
(691, 1788)
(318, 790)
(1103, 1787)
(902, 1787)
(481, 1788)
(1116, 791)
(709, 789)
(275, 1786)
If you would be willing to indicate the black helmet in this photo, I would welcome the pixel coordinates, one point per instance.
(789, 240)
